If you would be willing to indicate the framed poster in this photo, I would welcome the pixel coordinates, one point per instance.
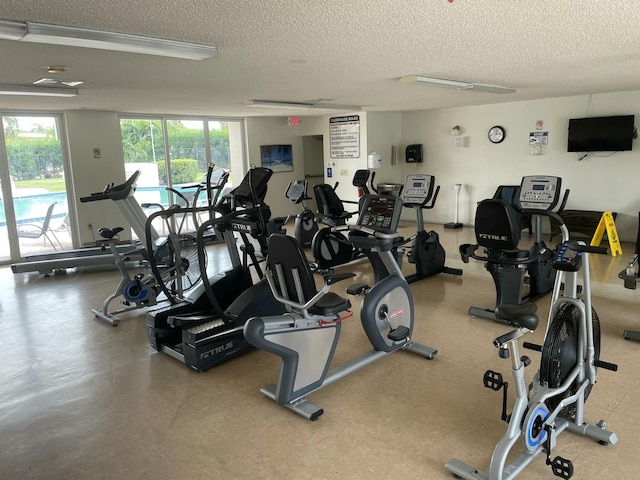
(278, 158)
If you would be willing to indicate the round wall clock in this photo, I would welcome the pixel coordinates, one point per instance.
(496, 134)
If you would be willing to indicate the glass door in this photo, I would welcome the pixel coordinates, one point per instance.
(175, 152)
(34, 217)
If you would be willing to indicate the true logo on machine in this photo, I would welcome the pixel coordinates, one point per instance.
(216, 350)
(489, 236)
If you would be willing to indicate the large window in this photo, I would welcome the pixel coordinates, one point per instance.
(34, 213)
(176, 152)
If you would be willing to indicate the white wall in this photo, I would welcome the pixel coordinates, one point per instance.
(276, 131)
(87, 130)
(384, 130)
(596, 183)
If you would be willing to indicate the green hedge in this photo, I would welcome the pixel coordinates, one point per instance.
(183, 170)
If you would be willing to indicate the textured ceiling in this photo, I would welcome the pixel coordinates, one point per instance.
(354, 52)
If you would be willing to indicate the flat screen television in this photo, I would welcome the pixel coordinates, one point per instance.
(601, 134)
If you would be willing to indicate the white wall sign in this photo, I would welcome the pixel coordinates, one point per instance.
(344, 135)
(538, 138)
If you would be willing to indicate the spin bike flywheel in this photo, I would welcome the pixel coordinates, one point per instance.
(559, 353)
(165, 264)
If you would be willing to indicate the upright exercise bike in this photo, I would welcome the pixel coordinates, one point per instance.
(426, 252)
(570, 356)
(306, 336)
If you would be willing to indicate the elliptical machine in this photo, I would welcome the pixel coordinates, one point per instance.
(570, 356)
(426, 252)
(306, 336)
(306, 223)
(205, 328)
(498, 233)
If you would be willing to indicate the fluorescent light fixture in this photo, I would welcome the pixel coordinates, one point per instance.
(276, 104)
(301, 105)
(55, 81)
(12, 30)
(38, 91)
(480, 87)
(120, 42)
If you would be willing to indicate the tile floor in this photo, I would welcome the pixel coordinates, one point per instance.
(82, 399)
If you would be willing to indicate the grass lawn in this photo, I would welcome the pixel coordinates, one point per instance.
(50, 184)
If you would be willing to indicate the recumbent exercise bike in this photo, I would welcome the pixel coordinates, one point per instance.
(329, 246)
(498, 231)
(306, 336)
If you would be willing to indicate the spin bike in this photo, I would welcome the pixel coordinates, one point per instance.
(306, 224)
(498, 234)
(426, 251)
(306, 336)
(570, 356)
(140, 291)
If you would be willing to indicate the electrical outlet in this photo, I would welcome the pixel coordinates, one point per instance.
(90, 228)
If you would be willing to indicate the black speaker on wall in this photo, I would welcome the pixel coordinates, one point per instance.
(414, 153)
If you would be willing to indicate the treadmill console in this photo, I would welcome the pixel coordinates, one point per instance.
(380, 213)
(539, 192)
(418, 189)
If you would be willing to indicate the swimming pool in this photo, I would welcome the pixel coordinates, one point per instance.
(33, 207)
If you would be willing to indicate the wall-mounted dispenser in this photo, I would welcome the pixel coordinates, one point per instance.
(413, 153)
(374, 160)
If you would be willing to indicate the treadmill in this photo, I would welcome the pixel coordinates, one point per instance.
(96, 256)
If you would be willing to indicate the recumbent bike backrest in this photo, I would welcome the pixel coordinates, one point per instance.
(329, 204)
(285, 257)
(495, 227)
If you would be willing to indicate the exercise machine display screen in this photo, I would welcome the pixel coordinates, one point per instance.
(380, 213)
(567, 259)
(418, 189)
(539, 192)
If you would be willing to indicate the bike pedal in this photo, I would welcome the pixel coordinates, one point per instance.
(399, 334)
(357, 288)
(561, 467)
(493, 380)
